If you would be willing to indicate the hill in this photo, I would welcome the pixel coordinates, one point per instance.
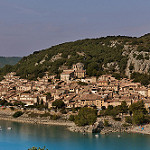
(120, 56)
(8, 61)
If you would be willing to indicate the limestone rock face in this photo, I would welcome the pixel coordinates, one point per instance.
(139, 65)
(95, 128)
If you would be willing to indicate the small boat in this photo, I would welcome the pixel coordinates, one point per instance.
(9, 128)
(96, 135)
(119, 136)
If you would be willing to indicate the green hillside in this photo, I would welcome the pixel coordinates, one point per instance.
(8, 61)
(102, 55)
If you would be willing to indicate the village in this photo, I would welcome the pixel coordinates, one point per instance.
(74, 88)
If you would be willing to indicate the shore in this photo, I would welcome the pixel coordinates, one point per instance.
(7, 115)
(144, 129)
(98, 126)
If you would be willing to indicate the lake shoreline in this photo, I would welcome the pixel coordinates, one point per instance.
(7, 116)
(38, 121)
(69, 124)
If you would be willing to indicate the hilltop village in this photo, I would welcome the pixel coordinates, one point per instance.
(74, 88)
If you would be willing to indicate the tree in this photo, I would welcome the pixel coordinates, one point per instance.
(138, 118)
(58, 104)
(86, 116)
(123, 107)
(3, 102)
(110, 107)
(17, 114)
(35, 148)
(138, 107)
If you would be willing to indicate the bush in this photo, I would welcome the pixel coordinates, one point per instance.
(73, 110)
(55, 117)
(3, 102)
(17, 114)
(33, 115)
(128, 119)
(117, 119)
(35, 148)
(125, 125)
(106, 123)
(12, 108)
(58, 104)
(45, 115)
(138, 118)
(82, 83)
(71, 118)
(63, 111)
(86, 116)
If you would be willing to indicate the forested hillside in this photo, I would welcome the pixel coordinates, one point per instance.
(118, 55)
(8, 61)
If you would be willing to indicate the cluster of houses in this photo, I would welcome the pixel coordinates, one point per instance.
(100, 92)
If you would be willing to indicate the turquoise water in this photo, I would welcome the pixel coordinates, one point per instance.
(24, 136)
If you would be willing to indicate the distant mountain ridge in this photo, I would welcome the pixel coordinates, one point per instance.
(8, 60)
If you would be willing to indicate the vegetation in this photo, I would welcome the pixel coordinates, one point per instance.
(139, 114)
(17, 114)
(71, 118)
(58, 104)
(35, 148)
(139, 77)
(3, 103)
(93, 53)
(8, 61)
(82, 83)
(86, 116)
(114, 111)
(106, 123)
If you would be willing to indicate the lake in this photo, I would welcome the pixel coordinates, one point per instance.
(24, 136)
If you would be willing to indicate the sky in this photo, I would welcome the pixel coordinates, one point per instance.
(30, 25)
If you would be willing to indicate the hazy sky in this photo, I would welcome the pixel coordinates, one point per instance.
(29, 25)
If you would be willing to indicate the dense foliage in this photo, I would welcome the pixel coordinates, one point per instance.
(58, 104)
(114, 111)
(35, 148)
(86, 116)
(17, 114)
(140, 114)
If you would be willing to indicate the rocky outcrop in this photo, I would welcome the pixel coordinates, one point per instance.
(139, 63)
(111, 66)
(96, 128)
(56, 57)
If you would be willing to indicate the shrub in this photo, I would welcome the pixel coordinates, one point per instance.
(71, 118)
(33, 115)
(125, 125)
(55, 117)
(128, 119)
(35, 148)
(86, 116)
(63, 111)
(106, 123)
(138, 118)
(117, 119)
(73, 110)
(45, 115)
(58, 104)
(82, 83)
(17, 114)
(12, 108)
